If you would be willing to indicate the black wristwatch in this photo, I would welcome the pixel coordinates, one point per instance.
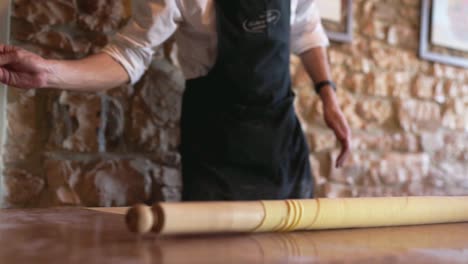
(320, 85)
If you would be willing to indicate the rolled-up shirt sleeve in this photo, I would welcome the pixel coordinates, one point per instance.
(153, 22)
(307, 31)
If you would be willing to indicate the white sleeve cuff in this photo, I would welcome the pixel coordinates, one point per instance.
(135, 60)
(312, 36)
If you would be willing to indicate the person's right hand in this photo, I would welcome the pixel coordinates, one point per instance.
(21, 68)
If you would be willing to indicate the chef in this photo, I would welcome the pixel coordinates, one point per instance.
(240, 136)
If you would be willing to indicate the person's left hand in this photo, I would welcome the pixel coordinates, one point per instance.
(335, 119)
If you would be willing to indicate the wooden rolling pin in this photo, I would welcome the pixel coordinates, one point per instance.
(291, 215)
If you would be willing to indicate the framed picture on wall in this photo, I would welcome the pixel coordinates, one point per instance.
(337, 18)
(444, 32)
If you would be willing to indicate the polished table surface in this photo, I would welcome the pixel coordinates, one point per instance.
(88, 236)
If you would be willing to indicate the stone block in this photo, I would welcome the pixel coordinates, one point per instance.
(347, 104)
(403, 36)
(399, 84)
(21, 187)
(113, 182)
(62, 41)
(453, 89)
(367, 8)
(22, 30)
(60, 175)
(448, 72)
(378, 191)
(339, 76)
(377, 84)
(309, 108)
(410, 14)
(439, 91)
(396, 168)
(436, 178)
(171, 177)
(376, 111)
(391, 59)
(464, 89)
(172, 194)
(384, 142)
(155, 108)
(371, 141)
(445, 146)
(102, 15)
(320, 139)
(356, 83)
(23, 130)
(113, 121)
(76, 122)
(51, 12)
(334, 190)
(375, 28)
(411, 3)
(454, 171)
(405, 142)
(423, 87)
(319, 164)
(359, 64)
(385, 12)
(336, 57)
(414, 115)
(356, 170)
(454, 115)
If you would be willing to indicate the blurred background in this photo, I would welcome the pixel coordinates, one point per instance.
(409, 114)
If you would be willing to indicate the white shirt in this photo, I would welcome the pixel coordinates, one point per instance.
(194, 25)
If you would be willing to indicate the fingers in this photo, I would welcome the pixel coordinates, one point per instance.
(345, 152)
(6, 77)
(337, 122)
(8, 54)
(343, 133)
(7, 48)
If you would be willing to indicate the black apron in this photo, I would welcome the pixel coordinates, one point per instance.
(241, 139)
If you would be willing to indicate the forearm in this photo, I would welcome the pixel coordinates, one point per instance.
(316, 64)
(92, 74)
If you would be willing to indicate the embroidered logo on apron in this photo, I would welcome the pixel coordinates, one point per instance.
(259, 24)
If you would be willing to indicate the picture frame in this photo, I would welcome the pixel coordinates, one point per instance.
(425, 51)
(5, 11)
(4, 21)
(341, 31)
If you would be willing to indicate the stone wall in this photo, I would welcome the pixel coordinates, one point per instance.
(408, 116)
(105, 149)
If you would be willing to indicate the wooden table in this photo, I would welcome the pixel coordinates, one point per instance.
(85, 236)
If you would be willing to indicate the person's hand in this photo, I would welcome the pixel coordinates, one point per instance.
(21, 68)
(335, 119)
